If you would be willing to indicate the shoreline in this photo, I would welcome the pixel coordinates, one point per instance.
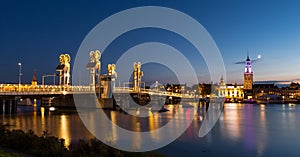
(29, 144)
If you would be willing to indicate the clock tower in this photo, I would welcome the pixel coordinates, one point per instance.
(248, 79)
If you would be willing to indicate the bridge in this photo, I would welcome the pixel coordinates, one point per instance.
(43, 90)
(12, 94)
(101, 85)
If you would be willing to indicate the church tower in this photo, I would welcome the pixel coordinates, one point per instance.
(248, 79)
(222, 87)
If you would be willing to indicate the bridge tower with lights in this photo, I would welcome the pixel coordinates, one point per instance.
(94, 68)
(137, 76)
(248, 79)
(64, 70)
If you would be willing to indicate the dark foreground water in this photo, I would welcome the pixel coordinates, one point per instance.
(242, 130)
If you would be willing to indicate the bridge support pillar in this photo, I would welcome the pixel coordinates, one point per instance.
(6, 107)
(13, 106)
(125, 103)
(9, 106)
(1, 106)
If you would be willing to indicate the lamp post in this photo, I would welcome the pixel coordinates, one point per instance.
(20, 72)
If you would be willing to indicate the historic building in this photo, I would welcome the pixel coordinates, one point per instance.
(232, 92)
(261, 92)
(248, 80)
(237, 93)
(271, 93)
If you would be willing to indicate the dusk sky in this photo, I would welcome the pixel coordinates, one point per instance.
(36, 32)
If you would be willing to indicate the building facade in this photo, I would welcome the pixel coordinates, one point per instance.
(231, 92)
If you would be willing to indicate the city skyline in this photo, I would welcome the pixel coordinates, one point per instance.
(35, 33)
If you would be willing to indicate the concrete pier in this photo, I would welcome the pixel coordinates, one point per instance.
(1, 106)
(8, 106)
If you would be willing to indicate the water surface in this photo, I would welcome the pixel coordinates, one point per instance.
(242, 130)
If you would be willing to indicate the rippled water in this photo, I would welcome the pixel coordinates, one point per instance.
(242, 130)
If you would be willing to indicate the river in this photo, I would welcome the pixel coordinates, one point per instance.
(242, 130)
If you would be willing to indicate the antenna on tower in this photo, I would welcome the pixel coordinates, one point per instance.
(248, 59)
(248, 55)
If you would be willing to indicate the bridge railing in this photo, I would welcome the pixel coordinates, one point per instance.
(151, 92)
(9, 88)
(15, 89)
(122, 89)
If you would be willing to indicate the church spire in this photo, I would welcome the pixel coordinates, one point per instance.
(34, 81)
(222, 82)
(248, 58)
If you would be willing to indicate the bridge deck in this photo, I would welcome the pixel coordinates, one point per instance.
(16, 90)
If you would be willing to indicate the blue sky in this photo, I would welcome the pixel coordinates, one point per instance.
(36, 32)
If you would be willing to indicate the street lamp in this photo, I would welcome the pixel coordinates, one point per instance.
(20, 72)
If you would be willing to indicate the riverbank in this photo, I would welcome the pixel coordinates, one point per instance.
(6, 152)
(17, 142)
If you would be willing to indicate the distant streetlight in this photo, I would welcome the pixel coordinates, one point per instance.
(20, 72)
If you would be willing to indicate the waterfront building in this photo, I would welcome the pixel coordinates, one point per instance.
(231, 92)
(268, 92)
(261, 89)
(237, 93)
(291, 93)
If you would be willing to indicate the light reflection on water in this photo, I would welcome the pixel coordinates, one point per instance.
(67, 126)
(243, 129)
(182, 115)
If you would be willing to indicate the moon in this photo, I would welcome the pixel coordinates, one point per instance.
(259, 56)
